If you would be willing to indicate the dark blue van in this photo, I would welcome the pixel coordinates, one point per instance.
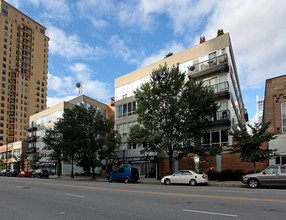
(126, 174)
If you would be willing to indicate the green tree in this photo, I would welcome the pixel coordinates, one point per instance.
(20, 162)
(80, 136)
(72, 131)
(249, 144)
(172, 114)
(2, 165)
(168, 54)
(34, 162)
(107, 153)
(53, 141)
(98, 129)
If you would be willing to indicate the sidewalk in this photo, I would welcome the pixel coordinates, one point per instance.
(149, 181)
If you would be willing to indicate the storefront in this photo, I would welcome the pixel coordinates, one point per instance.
(147, 165)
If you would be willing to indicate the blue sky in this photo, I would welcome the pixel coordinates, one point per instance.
(96, 41)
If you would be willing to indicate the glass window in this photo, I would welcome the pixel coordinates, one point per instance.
(283, 169)
(271, 170)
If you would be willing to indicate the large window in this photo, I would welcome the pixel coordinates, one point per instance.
(125, 110)
(283, 116)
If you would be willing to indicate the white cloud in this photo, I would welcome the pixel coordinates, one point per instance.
(61, 85)
(257, 30)
(93, 88)
(51, 101)
(97, 11)
(65, 89)
(53, 10)
(71, 46)
(173, 47)
(120, 49)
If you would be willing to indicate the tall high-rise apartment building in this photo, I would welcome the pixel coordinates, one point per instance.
(259, 103)
(211, 62)
(23, 72)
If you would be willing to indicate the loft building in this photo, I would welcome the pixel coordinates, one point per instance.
(275, 112)
(23, 71)
(46, 119)
(213, 63)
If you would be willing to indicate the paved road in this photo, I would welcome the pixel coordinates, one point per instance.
(22, 198)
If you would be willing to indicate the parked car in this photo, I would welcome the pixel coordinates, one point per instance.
(126, 174)
(4, 172)
(25, 174)
(185, 177)
(273, 175)
(41, 173)
(13, 173)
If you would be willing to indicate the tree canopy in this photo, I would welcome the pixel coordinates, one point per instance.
(172, 114)
(81, 135)
(249, 144)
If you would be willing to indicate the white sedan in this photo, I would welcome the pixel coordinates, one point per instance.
(185, 177)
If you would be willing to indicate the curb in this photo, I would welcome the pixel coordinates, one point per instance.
(142, 181)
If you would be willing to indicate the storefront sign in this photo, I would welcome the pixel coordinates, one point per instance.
(136, 160)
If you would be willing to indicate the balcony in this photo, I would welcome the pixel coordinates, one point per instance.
(209, 66)
(32, 128)
(31, 150)
(31, 139)
(221, 90)
(221, 118)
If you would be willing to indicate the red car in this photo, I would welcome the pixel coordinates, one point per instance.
(25, 174)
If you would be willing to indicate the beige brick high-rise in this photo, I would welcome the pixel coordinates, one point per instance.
(23, 69)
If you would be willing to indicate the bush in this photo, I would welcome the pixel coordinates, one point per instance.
(225, 175)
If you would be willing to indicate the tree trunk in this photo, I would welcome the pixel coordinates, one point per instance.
(93, 173)
(59, 168)
(72, 176)
(254, 164)
(170, 163)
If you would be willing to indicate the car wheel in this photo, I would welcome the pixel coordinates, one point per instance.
(109, 179)
(253, 183)
(167, 182)
(193, 182)
(126, 180)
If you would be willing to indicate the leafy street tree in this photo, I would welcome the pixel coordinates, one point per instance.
(80, 136)
(53, 141)
(34, 163)
(107, 152)
(172, 114)
(249, 145)
(72, 130)
(2, 165)
(19, 162)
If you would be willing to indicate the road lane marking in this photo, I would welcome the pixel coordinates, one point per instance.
(153, 193)
(74, 195)
(210, 213)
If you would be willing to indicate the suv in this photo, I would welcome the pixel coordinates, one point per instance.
(126, 174)
(273, 175)
(40, 173)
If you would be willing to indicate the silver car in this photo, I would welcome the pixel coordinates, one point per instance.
(273, 175)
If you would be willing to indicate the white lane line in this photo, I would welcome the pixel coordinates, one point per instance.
(210, 213)
(74, 195)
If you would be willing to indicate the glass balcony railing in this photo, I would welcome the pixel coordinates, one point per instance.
(220, 87)
(222, 115)
(213, 63)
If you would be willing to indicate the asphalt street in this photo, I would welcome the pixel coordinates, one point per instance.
(25, 198)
